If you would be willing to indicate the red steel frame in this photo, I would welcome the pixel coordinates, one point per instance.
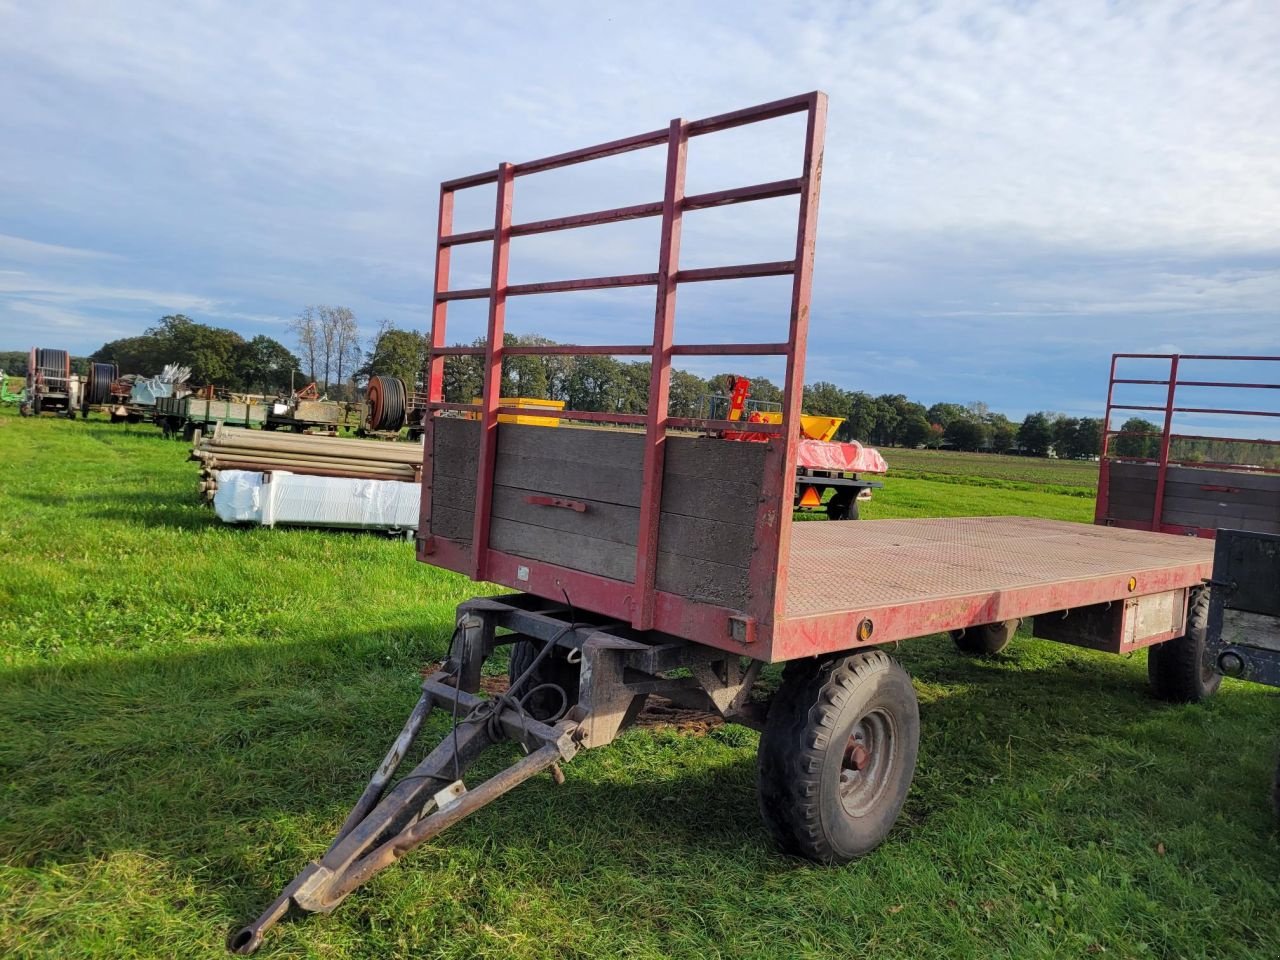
(637, 602)
(1163, 460)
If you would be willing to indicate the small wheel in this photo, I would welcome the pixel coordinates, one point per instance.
(555, 669)
(24, 409)
(837, 755)
(840, 508)
(987, 639)
(1178, 670)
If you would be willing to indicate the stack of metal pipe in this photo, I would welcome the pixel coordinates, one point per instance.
(230, 448)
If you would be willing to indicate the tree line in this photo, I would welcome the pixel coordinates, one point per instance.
(598, 383)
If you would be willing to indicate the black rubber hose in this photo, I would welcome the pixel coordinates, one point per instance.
(101, 376)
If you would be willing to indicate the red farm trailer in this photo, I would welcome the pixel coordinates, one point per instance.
(649, 556)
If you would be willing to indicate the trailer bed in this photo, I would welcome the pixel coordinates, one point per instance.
(1024, 562)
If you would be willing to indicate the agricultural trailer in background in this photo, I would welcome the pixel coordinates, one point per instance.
(653, 558)
(51, 386)
(829, 474)
(1243, 636)
(183, 416)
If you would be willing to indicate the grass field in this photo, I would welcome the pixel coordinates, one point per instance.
(187, 712)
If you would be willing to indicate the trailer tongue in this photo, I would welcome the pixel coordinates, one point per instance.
(658, 557)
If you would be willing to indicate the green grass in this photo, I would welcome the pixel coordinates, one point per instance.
(188, 711)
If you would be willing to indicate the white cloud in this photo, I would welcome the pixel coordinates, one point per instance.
(998, 176)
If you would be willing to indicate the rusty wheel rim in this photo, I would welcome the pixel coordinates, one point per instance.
(867, 763)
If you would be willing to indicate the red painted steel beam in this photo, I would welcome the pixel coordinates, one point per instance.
(573, 350)
(474, 180)
(474, 236)
(716, 426)
(1223, 356)
(765, 111)
(767, 571)
(1132, 406)
(591, 283)
(614, 147)
(615, 215)
(1160, 383)
(659, 380)
(457, 351)
(1232, 413)
(759, 191)
(445, 405)
(490, 398)
(777, 268)
(474, 293)
(1162, 468)
(730, 349)
(1232, 385)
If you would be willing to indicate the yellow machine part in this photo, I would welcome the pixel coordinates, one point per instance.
(819, 428)
(525, 403)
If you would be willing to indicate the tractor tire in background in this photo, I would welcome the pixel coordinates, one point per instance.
(837, 755)
(987, 639)
(1177, 669)
(388, 404)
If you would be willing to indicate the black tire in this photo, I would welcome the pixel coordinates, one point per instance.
(987, 639)
(24, 409)
(554, 669)
(840, 509)
(1178, 670)
(818, 797)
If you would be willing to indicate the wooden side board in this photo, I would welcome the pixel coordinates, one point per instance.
(571, 497)
(1197, 497)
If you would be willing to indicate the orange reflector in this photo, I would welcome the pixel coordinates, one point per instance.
(810, 497)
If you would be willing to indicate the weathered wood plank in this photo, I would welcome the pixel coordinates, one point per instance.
(456, 448)
(703, 580)
(701, 539)
(1218, 522)
(573, 550)
(578, 445)
(607, 483)
(714, 459)
(1232, 494)
(454, 492)
(1209, 505)
(1231, 478)
(450, 523)
(730, 500)
(604, 521)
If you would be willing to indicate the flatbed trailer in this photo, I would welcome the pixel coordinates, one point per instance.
(653, 557)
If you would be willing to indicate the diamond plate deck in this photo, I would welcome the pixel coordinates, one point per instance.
(851, 566)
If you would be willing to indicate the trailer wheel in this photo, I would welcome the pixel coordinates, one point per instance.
(1178, 670)
(841, 509)
(24, 409)
(555, 670)
(987, 639)
(837, 755)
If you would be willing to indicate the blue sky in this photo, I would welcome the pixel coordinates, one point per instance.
(1011, 191)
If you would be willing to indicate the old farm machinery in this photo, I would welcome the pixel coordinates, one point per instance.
(830, 475)
(51, 386)
(654, 557)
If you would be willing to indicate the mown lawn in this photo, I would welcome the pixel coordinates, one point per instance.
(188, 711)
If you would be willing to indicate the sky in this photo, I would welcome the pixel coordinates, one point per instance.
(1011, 191)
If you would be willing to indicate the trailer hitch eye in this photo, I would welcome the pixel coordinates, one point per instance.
(865, 628)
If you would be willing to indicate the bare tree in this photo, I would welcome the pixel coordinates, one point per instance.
(347, 353)
(306, 327)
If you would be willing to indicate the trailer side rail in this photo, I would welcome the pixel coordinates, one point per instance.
(1149, 479)
(634, 597)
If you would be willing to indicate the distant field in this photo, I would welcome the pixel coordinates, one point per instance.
(1071, 474)
(187, 712)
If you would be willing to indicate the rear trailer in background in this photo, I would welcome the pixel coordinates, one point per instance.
(649, 555)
